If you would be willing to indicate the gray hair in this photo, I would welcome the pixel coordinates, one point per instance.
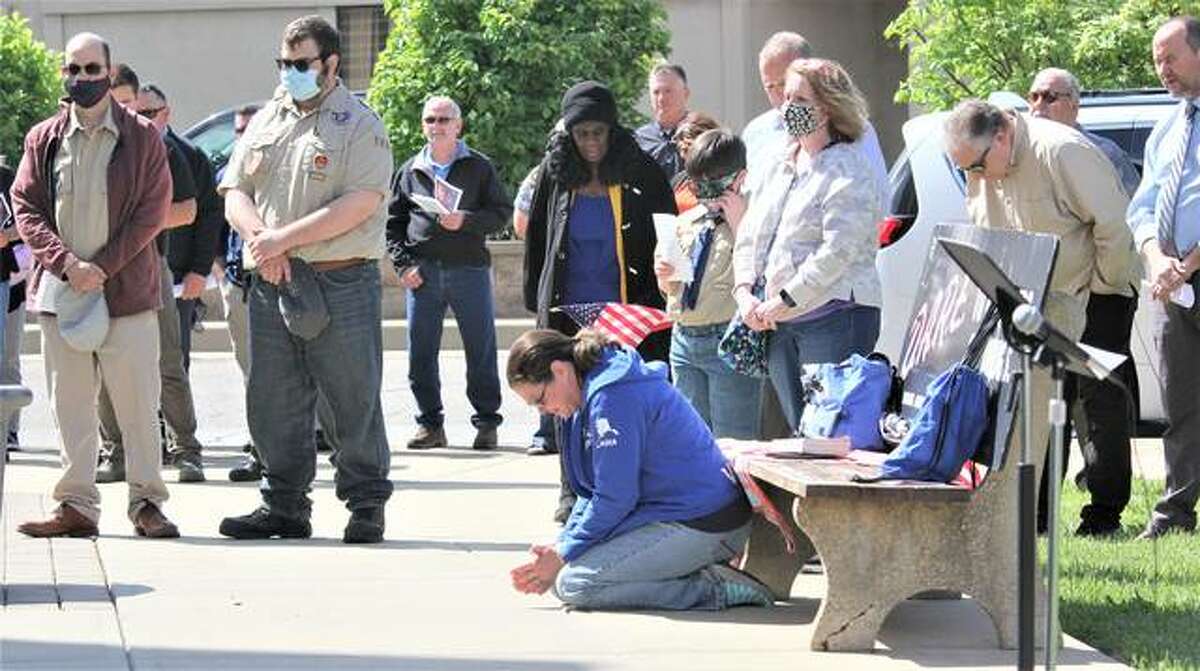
(669, 68)
(1071, 81)
(973, 122)
(443, 100)
(785, 44)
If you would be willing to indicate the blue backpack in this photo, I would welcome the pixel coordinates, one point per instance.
(947, 430)
(847, 399)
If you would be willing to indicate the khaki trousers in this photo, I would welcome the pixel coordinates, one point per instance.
(127, 362)
(178, 408)
(238, 322)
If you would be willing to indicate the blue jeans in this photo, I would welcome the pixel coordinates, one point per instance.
(345, 364)
(725, 400)
(468, 291)
(662, 565)
(828, 339)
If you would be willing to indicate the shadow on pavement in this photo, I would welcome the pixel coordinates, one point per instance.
(415, 544)
(18, 654)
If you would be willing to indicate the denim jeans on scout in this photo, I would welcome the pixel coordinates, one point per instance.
(345, 363)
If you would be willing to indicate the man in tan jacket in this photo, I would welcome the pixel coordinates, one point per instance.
(1040, 176)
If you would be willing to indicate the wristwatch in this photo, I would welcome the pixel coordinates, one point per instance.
(787, 298)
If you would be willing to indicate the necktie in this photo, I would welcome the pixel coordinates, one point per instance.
(1168, 195)
(691, 291)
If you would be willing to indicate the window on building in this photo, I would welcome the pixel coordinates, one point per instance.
(364, 33)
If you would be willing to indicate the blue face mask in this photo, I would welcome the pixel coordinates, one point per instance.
(300, 85)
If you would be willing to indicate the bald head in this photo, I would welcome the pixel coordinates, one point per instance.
(1176, 50)
(88, 43)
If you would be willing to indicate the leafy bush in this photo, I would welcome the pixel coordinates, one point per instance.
(29, 83)
(507, 64)
(969, 48)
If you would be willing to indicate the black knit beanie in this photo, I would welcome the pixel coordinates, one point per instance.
(588, 101)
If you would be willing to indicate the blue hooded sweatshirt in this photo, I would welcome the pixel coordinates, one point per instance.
(636, 452)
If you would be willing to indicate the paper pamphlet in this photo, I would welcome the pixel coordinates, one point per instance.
(1184, 296)
(445, 199)
(1103, 362)
(430, 205)
(668, 248)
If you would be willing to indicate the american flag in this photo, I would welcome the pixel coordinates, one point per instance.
(628, 324)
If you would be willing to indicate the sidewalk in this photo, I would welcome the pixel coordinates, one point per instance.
(434, 596)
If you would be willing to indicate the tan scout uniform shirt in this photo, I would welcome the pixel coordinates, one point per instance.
(1060, 183)
(292, 163)
(714, 303)
(81, 185)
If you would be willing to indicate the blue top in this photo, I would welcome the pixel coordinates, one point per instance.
(593, 275)
(636, 453)
(425, 159)
(1156, 163)
(1118, 157)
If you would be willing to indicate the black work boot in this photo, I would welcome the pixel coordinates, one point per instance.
(365, 526)
(262, 523)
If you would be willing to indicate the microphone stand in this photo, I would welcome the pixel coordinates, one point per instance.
(1026, 494)
(1058, 420)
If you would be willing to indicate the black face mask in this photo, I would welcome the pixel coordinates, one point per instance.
(87, 93)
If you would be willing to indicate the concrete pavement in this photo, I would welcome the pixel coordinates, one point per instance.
(434, 596)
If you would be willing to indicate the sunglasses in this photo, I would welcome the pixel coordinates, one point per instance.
(978, 166)
(711, 189)
(150, 113)
(432, 120)
(91, 69)
(299, 65)
(1050, 97)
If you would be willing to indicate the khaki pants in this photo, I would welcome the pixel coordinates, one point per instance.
(178, 408)
(127, 364)
(238, 323)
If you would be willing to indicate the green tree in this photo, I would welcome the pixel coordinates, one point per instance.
(29, 84)
(970, 48)
(507, 64)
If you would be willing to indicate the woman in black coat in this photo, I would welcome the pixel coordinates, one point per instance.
(591, 235)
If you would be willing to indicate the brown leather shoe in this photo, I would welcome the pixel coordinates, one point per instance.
(151, 523)
(66, 522)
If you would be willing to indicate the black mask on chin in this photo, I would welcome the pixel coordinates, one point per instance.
(87, 93)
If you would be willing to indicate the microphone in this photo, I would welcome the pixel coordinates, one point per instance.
(1030, 322)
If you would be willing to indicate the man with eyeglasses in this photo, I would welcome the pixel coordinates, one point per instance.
(442, 260)
(178, 411)
(305, 189)
(91, 193)
(1039, 176)
(1105, 413)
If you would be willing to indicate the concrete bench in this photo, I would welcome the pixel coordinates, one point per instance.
(882, 543)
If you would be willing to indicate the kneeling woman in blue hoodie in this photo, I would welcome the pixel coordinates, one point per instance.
(659, 512)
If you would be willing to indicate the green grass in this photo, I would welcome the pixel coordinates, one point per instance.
(1135, 600)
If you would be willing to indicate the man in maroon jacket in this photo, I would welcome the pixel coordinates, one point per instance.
(91, 193)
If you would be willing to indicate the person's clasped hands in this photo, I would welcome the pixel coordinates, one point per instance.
(85, 277)
(269, 252)
(537, 576)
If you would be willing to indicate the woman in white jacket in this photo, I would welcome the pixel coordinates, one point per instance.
(804, 262)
